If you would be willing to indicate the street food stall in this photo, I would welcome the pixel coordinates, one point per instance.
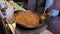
(22, 20)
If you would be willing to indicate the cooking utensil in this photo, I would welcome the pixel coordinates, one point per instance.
(47, 5)
(42, 17)
(28, 27)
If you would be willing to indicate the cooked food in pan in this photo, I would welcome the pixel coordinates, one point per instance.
(26, 18)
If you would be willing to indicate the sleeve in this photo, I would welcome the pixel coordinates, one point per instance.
(48, 3)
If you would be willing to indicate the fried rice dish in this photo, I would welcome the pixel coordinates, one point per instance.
(26, 18)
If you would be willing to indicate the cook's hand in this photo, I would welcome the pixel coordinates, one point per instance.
(49, 13)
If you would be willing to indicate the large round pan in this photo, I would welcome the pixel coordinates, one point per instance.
(26, 27)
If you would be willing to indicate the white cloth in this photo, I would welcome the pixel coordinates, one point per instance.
(9, 12)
